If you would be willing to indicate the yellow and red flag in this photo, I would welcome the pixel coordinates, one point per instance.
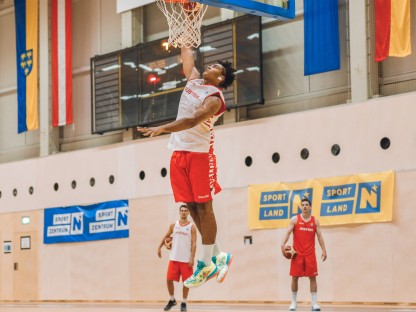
(392, 29)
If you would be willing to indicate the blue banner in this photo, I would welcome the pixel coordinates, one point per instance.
(321, 30)
(86, 223)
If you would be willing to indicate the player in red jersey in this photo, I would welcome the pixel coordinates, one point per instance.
(304, 227)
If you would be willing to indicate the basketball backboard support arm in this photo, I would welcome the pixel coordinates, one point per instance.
(255, 7)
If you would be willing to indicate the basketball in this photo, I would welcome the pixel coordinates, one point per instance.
(190, 7)
(290, 253)
(168, 242)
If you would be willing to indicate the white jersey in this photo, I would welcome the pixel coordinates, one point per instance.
(201, 137)
(182, 242)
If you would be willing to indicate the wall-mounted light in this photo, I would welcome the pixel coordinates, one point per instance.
(165, 44)
(26, 220)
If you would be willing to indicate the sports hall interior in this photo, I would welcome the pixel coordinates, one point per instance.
(366, 108)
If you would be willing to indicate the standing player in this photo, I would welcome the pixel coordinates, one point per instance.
(182, 255)
(193, 171)
(304, 227)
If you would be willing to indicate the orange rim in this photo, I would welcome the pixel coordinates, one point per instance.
(177, 1)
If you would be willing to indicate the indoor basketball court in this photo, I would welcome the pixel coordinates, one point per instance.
(368, 267)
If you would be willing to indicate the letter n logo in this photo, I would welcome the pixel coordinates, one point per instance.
(368, 199)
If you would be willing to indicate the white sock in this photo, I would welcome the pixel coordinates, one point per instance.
(216, 250)
(314, 298)
(172, 298)
(294, 297)
(184, 300)
(207, 254)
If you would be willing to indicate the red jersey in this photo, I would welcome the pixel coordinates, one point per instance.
(304, 236)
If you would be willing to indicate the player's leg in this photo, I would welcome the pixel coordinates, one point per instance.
(311, 270)
(294, 288)
(313, 284)
(208, 226)
(294, 285)
(171, 276)
(193, 210)
(179, 180)
(171, 288)
(314, 293)
(186, 272)
(297, 270)
(185, 292)
(221, 259)
(198, 171)
(172, 302)
(204, 219)
(206, 269)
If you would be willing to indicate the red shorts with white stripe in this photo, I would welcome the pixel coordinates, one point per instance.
(304, 266)
(177, 269)
(193, 176)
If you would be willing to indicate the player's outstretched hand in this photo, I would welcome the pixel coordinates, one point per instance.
(150, 132)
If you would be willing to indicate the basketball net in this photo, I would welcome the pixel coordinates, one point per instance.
(184, 20)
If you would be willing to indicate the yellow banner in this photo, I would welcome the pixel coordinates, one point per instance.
(361, 198)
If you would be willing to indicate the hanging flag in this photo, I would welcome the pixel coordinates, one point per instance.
(61, 40)
(392, 29)
(321, 36)
(27, 25)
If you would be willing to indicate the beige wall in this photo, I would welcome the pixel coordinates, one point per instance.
(367, 263)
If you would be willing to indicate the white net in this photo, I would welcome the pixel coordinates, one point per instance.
(184, 19)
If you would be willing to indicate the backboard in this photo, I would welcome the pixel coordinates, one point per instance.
(269, 8)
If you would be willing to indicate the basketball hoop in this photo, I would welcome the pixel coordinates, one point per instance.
(184, 19)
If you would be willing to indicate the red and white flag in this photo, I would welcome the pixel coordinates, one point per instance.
(61, 39)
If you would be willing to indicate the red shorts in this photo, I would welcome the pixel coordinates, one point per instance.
(177, 269)
(193, 176)
(304, 266)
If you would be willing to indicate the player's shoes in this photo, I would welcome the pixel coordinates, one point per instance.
(223, 262)
(183, 307)
(292, 306)
(170, 304)
(316, 307)
(202, 274)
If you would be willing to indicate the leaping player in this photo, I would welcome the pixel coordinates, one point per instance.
(193, 171)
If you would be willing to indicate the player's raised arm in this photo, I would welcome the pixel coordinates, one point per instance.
(188, 63)
(210, 107)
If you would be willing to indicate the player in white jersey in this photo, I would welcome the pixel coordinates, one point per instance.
(193, 170)
(182, 255)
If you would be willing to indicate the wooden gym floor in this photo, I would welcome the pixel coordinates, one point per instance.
(192, 307)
